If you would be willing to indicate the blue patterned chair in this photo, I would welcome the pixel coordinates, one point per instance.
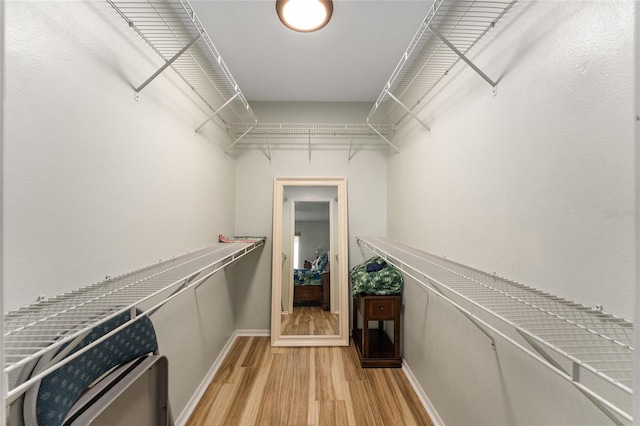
(80, 390)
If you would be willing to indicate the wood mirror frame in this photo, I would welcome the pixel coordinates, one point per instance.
(339, 264)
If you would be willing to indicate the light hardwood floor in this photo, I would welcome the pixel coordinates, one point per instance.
(260, 385)
(309, 320)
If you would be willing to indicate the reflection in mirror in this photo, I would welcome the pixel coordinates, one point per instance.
(309, 263)
(306, 290)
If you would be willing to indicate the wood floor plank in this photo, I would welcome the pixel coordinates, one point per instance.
(411, 399)
(228, 368)
(219, 407)
(201, 412)
(312, 396)
(286, 400)
(325, 390)
(385, 394)
(338, 372)
(332, 413)
(364, 408)
(250, 415)
(240, 400)
(352, 369)
(256, 353)
(264, 385)
(273, 400)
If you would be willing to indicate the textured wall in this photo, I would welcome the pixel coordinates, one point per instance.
(536, 184)
(636, 382)
(96, 183)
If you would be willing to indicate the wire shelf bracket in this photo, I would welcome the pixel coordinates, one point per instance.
(404, 107)
(268, 149)
(172, 29)
(591, 349)
(167, 64)
(349, 156)
(575, 376)
(217, 112)
(385, 139)
(463, 57)
(238, 140)
(448, 32)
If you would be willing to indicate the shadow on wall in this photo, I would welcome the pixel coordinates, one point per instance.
(251, 294)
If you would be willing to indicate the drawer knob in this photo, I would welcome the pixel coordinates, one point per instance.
(382, 308)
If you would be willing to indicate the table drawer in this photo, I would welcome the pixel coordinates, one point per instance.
(382, 309)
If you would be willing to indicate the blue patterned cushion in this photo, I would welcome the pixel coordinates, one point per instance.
(322, 261)
(62, 388)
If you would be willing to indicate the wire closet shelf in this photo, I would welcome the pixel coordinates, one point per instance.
(173, 30)
(262, 130)
(448, 32)
(591, 349)
(33, 330)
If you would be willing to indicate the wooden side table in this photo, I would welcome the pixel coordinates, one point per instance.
(326, 292)
(374, 345)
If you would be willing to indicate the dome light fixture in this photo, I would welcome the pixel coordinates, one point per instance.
(304, 15)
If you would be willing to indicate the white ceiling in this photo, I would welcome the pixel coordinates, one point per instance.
(349, 60)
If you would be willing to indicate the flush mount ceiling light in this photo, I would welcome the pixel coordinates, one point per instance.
(304, 15)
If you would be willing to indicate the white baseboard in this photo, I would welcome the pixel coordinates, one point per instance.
(195, 398)
(251, 332)
(426, 403)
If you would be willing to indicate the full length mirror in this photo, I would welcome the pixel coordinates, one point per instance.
(310, 263)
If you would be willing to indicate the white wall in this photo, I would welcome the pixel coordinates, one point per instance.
(636, 365)
(96, 183)
(314, 235)
(536, 184)
(366, 175)
(2, 95)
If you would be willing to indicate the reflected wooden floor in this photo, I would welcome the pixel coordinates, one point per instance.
(260, 385)
(309, 320)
